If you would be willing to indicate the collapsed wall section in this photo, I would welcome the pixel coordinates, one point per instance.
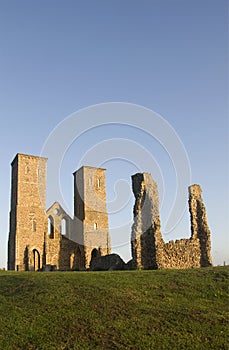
(181, 254)
(149, 251)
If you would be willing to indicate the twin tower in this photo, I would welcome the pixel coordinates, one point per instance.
(51, 239)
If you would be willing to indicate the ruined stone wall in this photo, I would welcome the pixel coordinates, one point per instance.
(67, 256)
(181, 254)
(199, 224)
(62, 252)
(146, 239)
(149, 251)
(52, 249)
(61, 224)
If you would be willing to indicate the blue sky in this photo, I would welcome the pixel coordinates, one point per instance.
(171, 56)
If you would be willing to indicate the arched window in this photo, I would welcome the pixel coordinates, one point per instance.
(51, 226)
(64, 226)
(26, 169)
(95, 226)
(98, 182)
(34, 226)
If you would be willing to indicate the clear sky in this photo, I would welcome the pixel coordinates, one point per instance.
(171, 56)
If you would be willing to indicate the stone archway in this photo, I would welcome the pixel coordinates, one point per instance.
(36, 260)
(79, 261)
(95, 253)
(26, 258)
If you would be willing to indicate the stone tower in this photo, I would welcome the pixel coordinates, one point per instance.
(90, 213)
(28, 220)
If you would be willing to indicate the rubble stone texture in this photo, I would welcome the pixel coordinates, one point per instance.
(199, 224)
(40, 239)
(149, 251)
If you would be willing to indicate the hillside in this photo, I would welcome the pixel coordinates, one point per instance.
(168, 309)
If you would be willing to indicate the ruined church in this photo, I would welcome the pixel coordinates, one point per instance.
(41, 239)
(51, 239)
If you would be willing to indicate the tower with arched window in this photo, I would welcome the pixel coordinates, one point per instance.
(28, 218)
(90, 212)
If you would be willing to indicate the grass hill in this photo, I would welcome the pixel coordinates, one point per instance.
(168, 309)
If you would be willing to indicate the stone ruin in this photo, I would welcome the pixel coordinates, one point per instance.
(149, 251)
(41, 239)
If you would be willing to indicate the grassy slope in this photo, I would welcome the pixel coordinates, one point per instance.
(115, 310)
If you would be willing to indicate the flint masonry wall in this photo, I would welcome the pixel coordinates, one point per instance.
(149, 251)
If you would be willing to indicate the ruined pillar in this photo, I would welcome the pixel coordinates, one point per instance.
(199, 224)
(146, 239)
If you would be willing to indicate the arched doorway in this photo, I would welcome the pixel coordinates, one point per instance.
(79, 261)
(36, 260)
(95, 253)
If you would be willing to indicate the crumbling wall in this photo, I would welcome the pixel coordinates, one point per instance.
(199, 224)
(67, 255)
(149, 251)
(181, 254)
(146, 239)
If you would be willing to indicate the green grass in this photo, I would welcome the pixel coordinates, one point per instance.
(185, 309)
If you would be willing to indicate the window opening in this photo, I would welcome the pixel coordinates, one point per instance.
(51, 227)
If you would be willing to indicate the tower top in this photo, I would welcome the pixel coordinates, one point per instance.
(22, 155)
(88, 167)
